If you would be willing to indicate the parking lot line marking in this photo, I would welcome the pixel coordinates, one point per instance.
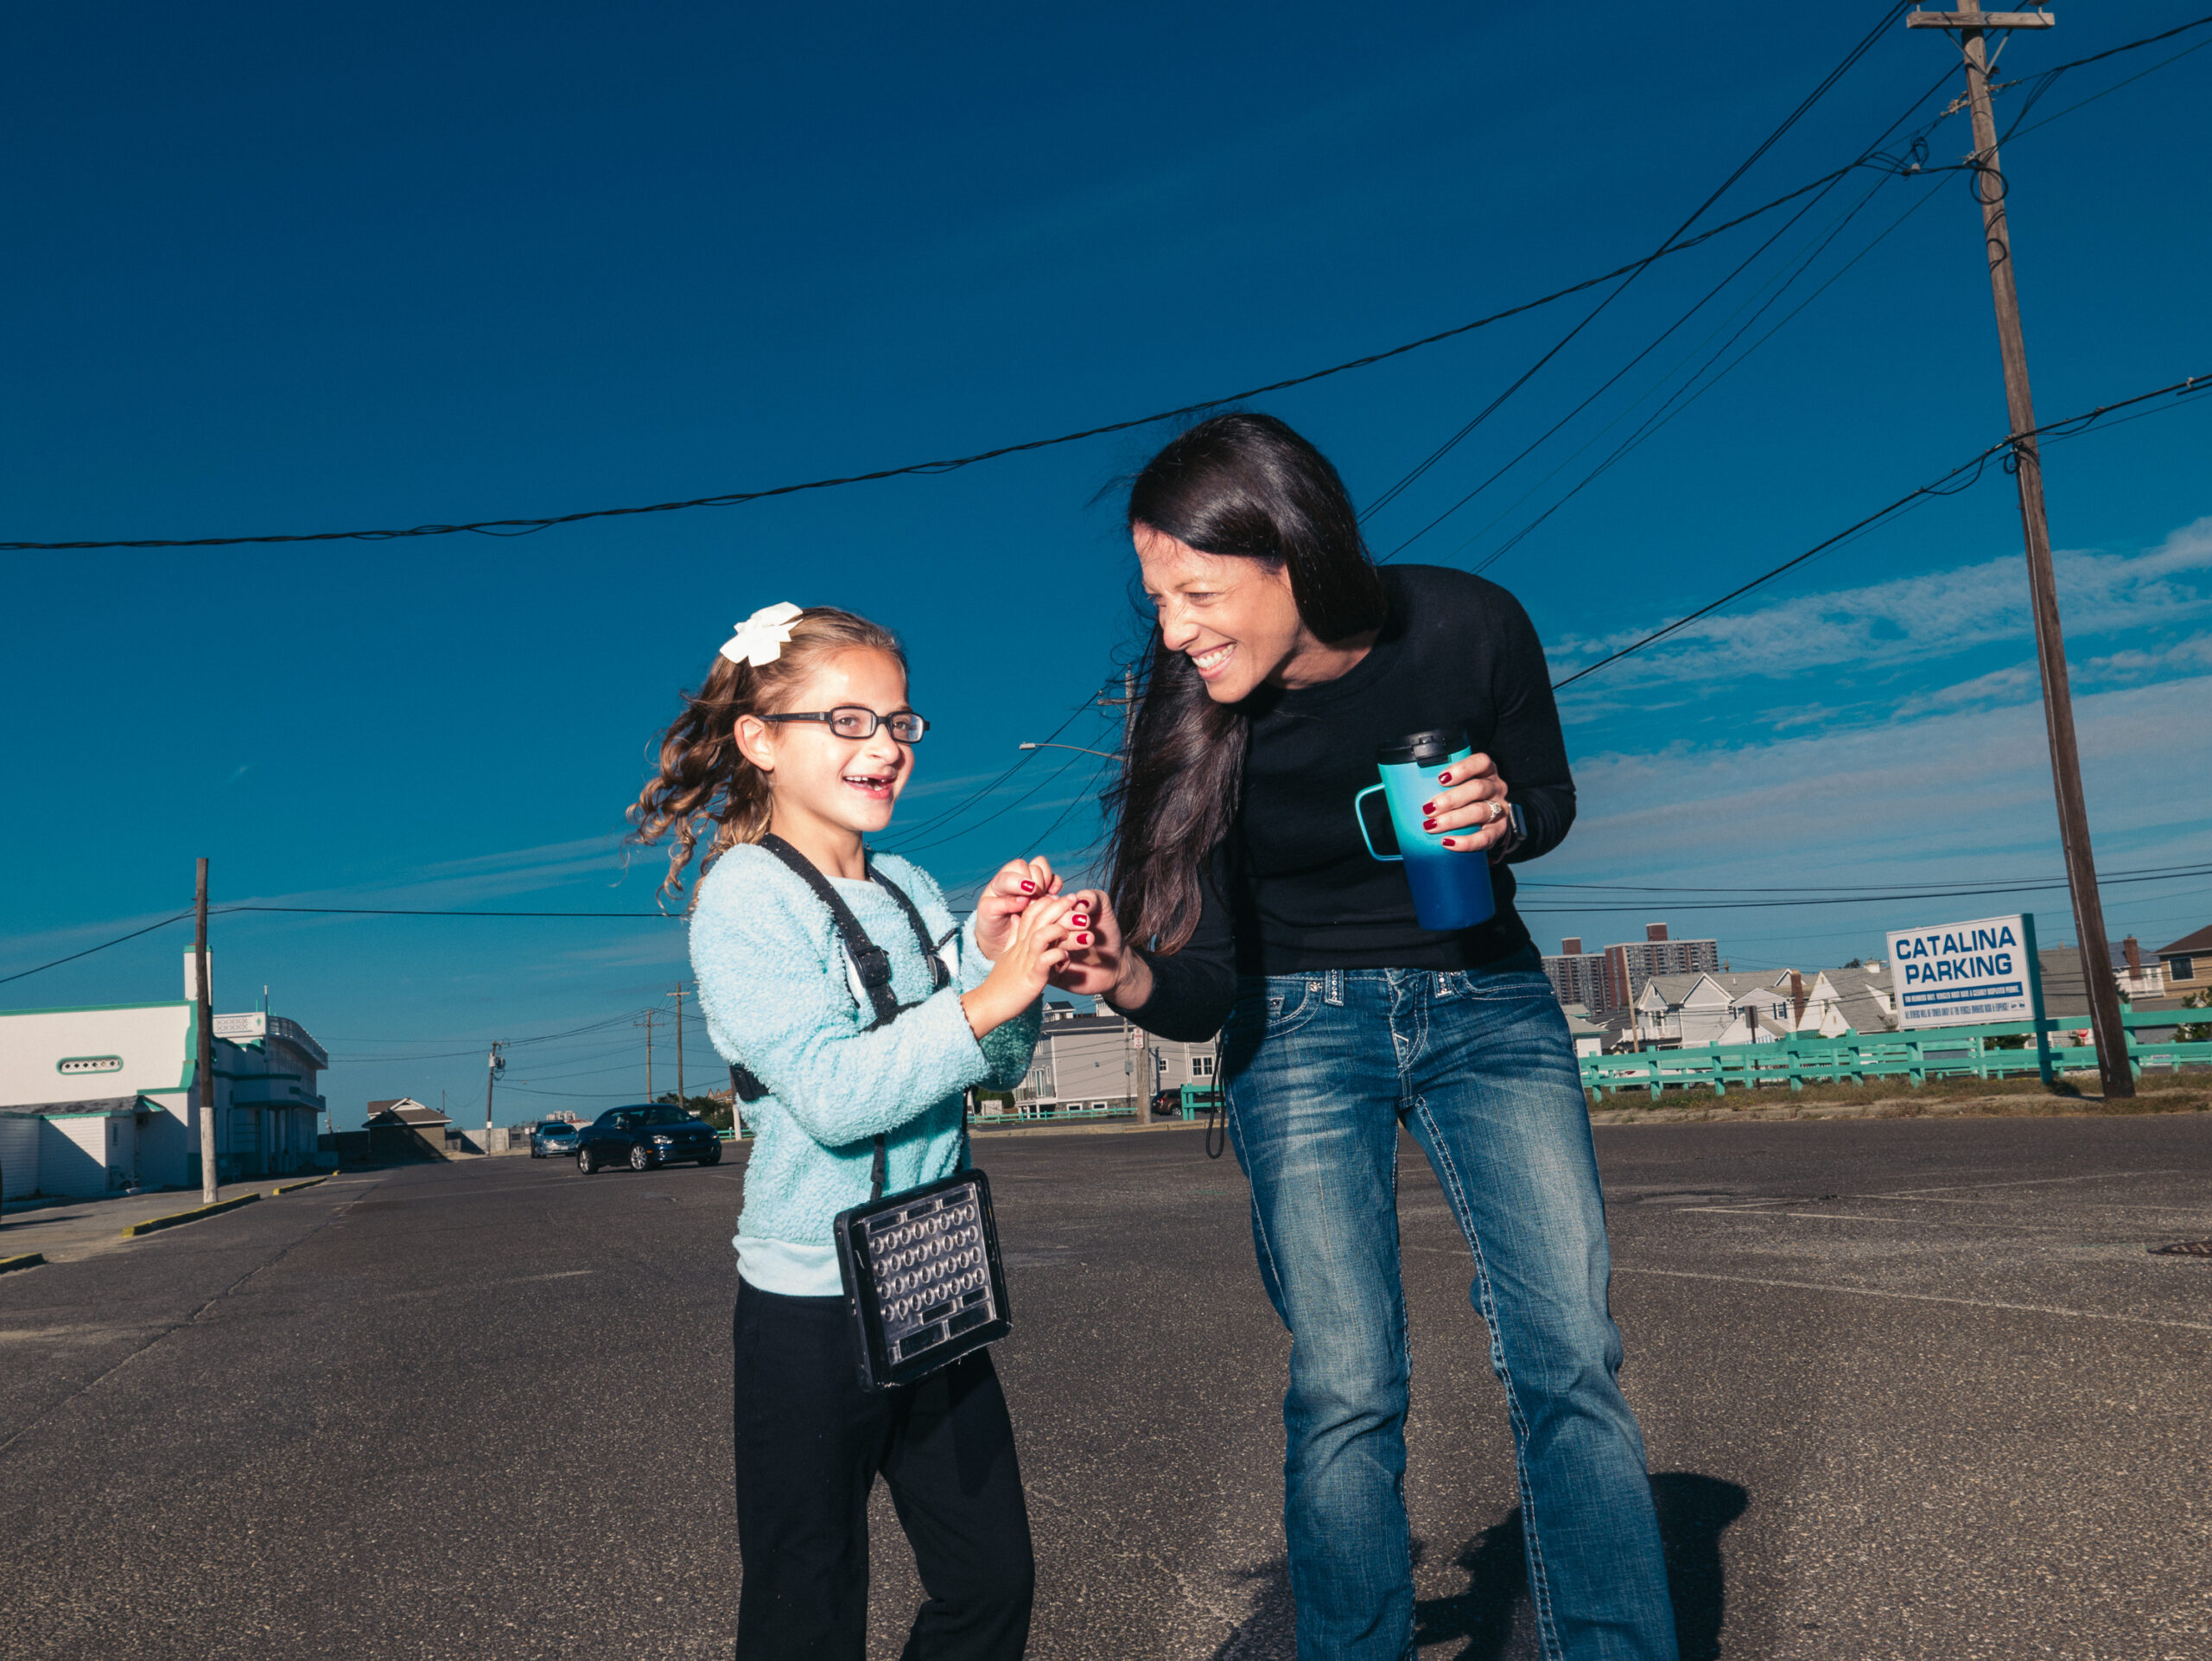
(1824, 1216)
(1917, 1297)
(2028, 1182)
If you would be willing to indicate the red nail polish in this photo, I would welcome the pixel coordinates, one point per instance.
(1428, 825)
(1448, 842)
(1029, 888)
(1083, 939)
(1443, 778)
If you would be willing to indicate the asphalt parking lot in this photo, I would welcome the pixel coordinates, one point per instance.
(1910, 1388)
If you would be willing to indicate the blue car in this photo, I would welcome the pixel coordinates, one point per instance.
(646, 1137)
(553, 1139)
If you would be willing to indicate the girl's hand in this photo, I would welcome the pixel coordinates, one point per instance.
(1101, 963)
(1019, 881)
(1469, 806)
(1018, 975)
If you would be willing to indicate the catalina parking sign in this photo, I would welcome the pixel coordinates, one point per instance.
(1962, 974)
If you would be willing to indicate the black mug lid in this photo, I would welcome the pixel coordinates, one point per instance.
(1422, 749)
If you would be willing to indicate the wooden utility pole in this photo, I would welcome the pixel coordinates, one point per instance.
(678, 996)
(647, 1023)
(1972, 24)
(1140, 1088)
(205, 1017)
(496, 1065)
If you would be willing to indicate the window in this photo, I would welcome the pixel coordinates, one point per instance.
(2182, 969)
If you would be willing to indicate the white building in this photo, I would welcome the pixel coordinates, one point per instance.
(1691, 1011)
(101, 1099)
(1102, 1061)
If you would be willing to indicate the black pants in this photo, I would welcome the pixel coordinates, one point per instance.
(809, 1444)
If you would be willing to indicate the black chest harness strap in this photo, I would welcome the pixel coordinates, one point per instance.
(872, 966)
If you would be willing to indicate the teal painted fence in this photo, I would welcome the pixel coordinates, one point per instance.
(1855, 1058)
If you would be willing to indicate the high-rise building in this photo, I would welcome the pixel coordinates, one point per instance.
(1631, 964)
(1578, 977)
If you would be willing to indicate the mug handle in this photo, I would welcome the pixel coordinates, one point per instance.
(1358, 813)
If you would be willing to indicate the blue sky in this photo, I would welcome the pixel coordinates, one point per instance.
(285, 270)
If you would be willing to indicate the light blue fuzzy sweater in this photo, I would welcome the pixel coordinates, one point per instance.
(781, 998)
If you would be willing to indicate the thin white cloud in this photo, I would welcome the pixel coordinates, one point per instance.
(1912, 619)
(1963, 793)
(2193, 653)
(2006, 685)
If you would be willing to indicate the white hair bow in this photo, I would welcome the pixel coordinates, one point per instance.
(759, 638)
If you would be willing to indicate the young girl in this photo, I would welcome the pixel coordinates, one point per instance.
(802, 732)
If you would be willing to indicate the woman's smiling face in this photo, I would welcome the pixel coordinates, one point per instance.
(1235, 619)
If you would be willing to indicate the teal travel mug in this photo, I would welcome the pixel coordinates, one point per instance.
(1450, 886)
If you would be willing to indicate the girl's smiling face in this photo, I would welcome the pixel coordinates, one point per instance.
(823, 781)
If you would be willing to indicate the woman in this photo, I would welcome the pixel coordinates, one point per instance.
(1282, 659)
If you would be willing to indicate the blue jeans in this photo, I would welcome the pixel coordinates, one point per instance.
(1320, 1068)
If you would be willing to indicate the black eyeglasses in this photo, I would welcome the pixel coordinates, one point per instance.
(852, 721)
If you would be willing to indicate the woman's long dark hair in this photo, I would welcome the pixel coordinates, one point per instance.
(1245, 485)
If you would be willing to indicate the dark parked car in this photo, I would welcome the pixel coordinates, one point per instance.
(553, 1139)
(643, 1137)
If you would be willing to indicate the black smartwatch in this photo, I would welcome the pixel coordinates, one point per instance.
(1516, 832)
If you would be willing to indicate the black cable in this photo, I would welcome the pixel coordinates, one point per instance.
(907, 850)
(89, 950)
(1841, 900)
(524, 526)
(1773, 138)
(921, 826)
(1994, 885)
(2066, 427)
(1683, 396)
(389, 911)
(734, 499)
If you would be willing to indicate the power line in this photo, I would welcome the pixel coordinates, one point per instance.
(2069, 427)
(1912, 162)
(89, 950)
(389, 911)
(524, 526)
(1998, 885)
(1850, 899)
(1562, 344)
(1683, 396)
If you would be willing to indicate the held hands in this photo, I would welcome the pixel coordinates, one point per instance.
(1039, 943)
(998, 908)
(1469, 806)
(1100, 964)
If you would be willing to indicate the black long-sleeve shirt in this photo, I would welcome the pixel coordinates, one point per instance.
(1294, 888)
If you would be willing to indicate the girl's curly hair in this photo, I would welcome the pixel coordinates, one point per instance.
(705, 787)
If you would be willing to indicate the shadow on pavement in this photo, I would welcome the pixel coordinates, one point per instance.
(1694, 1511)
(1489, 1619)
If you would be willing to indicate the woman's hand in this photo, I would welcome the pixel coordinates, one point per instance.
(1038, 945)
(1469, 806)
(1100, 964)
(1017, 883)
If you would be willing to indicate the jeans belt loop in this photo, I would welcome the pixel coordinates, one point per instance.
(1333, 987)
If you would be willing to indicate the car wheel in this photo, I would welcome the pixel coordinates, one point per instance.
(536, 1152)
(640, 1159)
(712, 1156)
(585, 1163)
